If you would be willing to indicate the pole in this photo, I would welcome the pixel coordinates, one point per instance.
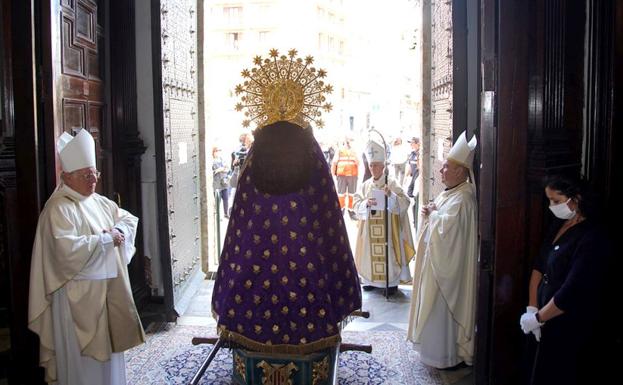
(386, 216)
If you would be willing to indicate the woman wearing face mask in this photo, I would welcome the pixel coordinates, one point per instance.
(566, 287)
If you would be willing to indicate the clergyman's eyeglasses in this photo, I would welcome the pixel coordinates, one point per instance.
(91, 175)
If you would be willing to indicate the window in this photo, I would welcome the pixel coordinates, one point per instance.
(263, 36)
(232, 14)
(232, 40)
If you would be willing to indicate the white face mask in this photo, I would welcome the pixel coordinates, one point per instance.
(562, 210)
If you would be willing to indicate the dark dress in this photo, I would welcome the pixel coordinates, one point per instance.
(286, 276)
(573, 271)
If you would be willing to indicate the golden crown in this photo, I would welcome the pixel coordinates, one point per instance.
(283, 88)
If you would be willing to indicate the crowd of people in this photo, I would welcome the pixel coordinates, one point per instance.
(287, 276)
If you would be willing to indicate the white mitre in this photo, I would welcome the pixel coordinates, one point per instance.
(76, 152)
(375, 152)
(463, 151)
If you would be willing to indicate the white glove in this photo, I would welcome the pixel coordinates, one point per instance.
(537, 331)
(528, 320)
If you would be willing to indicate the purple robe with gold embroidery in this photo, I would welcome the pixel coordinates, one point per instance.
(286, 276)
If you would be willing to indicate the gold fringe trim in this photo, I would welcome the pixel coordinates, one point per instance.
(250, 344)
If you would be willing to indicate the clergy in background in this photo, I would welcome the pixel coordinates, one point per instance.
(441, 323)
(81, 304)
(369, 207)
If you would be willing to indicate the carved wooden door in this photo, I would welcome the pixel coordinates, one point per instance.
(78, 81)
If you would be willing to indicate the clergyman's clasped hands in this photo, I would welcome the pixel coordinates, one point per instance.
(529, 322)
(117, 236)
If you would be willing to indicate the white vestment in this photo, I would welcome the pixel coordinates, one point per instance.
(441, 322)
(80, 298)
(370, 247)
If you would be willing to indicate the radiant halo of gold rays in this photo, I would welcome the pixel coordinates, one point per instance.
(283, 88)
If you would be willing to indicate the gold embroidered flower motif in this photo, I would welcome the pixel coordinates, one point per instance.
(256, 269)
(276, 329)
(314, 208)
(303, 340)
(284, 220)
(311, 267)
(238, 233)
(258, 329)
(303, 282)
(245, 196)
(266, 224)
(293, 235)
(274, 269)
(241, 213)
(236, 249)
(275, 208)
(257, 209)
(302, 312)
(231, 313)
(285, 338)
(293, 205)
(285, 310)
(292, 296)
(293, 326)
(274, 299)
(311, 327)
(303, 221)
(310, 236)
(284, 249)
(257, 299)
(311, 297)
(316, 225)
(257, 239)
(230, 283)
(248, 254)
(266, 284)
(238, 298)
(284, 280)
(292, 265)
(322, 313)
(266, 254)
(248, 284)
(248, 314)
(267, 314)
(250, 224)
(240, 328)
(274, 239)
(330, 329)
(303, 251)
